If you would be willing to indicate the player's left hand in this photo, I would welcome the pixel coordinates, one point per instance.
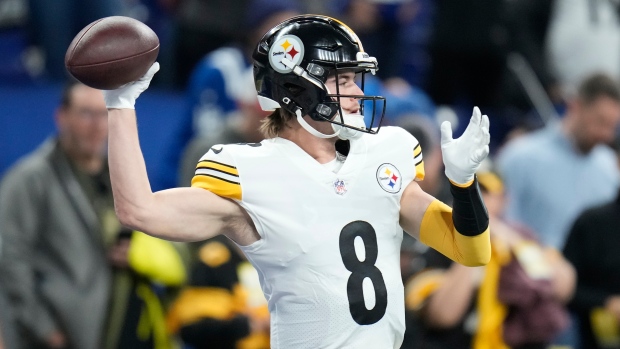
(462, 156)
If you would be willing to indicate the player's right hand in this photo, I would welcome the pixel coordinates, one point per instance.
(125, 96)
(462, 156)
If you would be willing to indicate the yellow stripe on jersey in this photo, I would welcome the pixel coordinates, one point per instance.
(417, 150)
(215, 177)
(218, 186)
(419, 163)
(419, 171)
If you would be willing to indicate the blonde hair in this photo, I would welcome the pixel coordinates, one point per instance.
(273, 124)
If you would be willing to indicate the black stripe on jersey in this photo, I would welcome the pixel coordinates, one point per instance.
(416, 147)
(419, 162)
(216, 177)
(219, 163)
(215, 169)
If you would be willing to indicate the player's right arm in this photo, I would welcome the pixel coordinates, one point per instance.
(179, 214)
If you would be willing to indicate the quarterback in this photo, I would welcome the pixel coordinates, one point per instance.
(319, 206)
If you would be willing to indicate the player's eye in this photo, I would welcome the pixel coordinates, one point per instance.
(345, 81)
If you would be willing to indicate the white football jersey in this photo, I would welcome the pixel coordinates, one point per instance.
(329, 253)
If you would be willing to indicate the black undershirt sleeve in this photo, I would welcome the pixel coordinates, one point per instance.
(469, 213)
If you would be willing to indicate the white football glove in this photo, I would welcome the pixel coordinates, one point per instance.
(462, 156)
(125, 96)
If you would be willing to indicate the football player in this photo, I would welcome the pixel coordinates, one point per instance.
(319, 206)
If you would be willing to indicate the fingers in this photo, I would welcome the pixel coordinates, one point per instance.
(484, 128)
(476, 132)
(473, 128)
(485, 122)
(476, 116)
(485, 138)
(152, 70)
(446, 132)
(480, 124)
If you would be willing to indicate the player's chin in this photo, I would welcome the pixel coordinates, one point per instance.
(337, 118)
(356, 116)
(355, 120)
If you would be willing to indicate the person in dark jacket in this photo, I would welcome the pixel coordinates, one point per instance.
(592, 247)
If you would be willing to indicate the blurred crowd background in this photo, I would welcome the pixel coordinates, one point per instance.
(546, 72)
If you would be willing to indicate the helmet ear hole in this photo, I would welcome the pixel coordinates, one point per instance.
(294, 89)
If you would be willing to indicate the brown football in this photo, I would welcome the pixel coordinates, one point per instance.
(111, 52)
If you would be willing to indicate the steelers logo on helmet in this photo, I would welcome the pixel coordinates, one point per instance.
(288, 47)
(389, 178)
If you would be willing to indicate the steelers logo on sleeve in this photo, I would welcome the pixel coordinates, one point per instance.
(389, 178)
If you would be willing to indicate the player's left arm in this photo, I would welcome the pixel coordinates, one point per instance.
(460, 233)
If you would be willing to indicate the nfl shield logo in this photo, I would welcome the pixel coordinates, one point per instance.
(340, 187)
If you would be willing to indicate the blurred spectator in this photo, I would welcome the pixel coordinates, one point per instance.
(202, 26)
(54, 265)
(53, 24)
(410, 258)
(467, 48)
(74, 277)
(583, 38)
(223, 306)
(147, 273)
(221, 85)
(516, 301)
(592, 247)
(528, 23)
(565, 41)
(8, 339)
(6, 317)
(552, 174)
(380, 25)
(415, 39)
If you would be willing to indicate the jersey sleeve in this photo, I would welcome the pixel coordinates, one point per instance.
(217, 172)
(416, 150)
(419, 161)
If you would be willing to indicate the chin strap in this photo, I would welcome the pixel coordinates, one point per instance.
(354, 120)
(311, 129)
(342, 132)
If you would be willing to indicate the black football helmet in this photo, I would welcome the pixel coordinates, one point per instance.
(294, 59)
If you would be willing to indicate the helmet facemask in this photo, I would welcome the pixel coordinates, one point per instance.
(365, 120)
